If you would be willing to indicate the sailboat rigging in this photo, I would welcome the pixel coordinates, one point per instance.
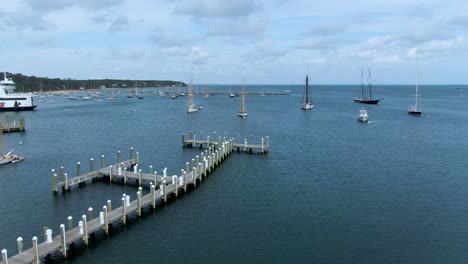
(366, 98)
(415, 109)
(192, 107)
(306, 101)
(243, 113)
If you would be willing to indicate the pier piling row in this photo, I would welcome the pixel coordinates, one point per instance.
(88, 225)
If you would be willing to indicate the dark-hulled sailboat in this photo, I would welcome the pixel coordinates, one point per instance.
(366, 98)
(306, 101)
(415, 110)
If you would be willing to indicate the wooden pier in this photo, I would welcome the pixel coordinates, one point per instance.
(161, 187)
(192, 141)
(8, 125)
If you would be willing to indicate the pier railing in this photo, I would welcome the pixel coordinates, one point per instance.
(161, 187)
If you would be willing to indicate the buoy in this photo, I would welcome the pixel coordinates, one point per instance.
(21, 142)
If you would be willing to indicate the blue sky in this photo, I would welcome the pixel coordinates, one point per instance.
(266, 42)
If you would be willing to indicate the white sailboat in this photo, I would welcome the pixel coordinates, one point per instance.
(415, 109)
(8, 157)
(242, 113)
(306, 101)
(192, 107)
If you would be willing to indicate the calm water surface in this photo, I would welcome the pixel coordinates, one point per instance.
(332, 190)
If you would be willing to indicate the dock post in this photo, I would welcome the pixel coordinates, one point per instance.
(155, 177)
(193, 163)
(163, 185)
(118, 156)
(140, 190)
(214, 137)
(110, 173)
(19, 241)
(103, 162)
(35, 250)
(91, 164)
(245, 144)
(85, 229)
(191, 135)
(151, 169)
(184, 179)
(124, 213)
(109, 205)
(262, 146)
(194, 138)
(153, 196)
(194, 176)
(70, 223)
(63, 240)
(62, 174)
(90, 214)
(125, 175)
(49, 236)
(54, 181)
(183, 140)
(200, 171)
(207, 141)
(197, 159)
(175, 182)
(187, 167)
(139, 176)
(5, 256)
(138, 156)
(131, 153)
(106, 219)
(78, 169)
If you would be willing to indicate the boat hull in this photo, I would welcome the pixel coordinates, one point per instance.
(307, 106)
(365, 101)
(242, 114)
(363, 119)
(414, 113)
(17, 109)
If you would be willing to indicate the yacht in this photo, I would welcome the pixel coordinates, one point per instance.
(363, 117)
(11, 101)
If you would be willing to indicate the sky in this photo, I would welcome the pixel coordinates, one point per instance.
(264, 42)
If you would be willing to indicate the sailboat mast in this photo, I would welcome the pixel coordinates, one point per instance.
(307, 89)
(417, 89)
(362, 84)
(370, 84)
(242, 109)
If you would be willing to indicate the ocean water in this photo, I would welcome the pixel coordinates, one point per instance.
(331, 190)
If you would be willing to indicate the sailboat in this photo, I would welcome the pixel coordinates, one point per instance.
(306, 101)
(415, 109)
(139, 96)
(192, 107)
(9, 157)
(231, 94)
(242, 113)
(366, 99)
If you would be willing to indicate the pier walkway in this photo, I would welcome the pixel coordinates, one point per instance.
(161, 187)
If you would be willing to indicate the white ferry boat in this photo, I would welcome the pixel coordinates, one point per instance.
(11, 101)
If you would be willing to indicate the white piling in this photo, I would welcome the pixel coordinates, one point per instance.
(153, 196)
(105, 218)
(90, 213)
(49, 236)
(109, 205)
(176, 185)
(63, 241)
(19, 241)
(80, 224)
(70, 223)
(110, 173)
(85, 229)
(165, 172)
(35, 250)
(124, 213)
(135, 167)
(5, 256)
(66, 182)
(139, 177)
(127, 200)
(101, 217)
(155, 177)
(120, 171)
(140, 190)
